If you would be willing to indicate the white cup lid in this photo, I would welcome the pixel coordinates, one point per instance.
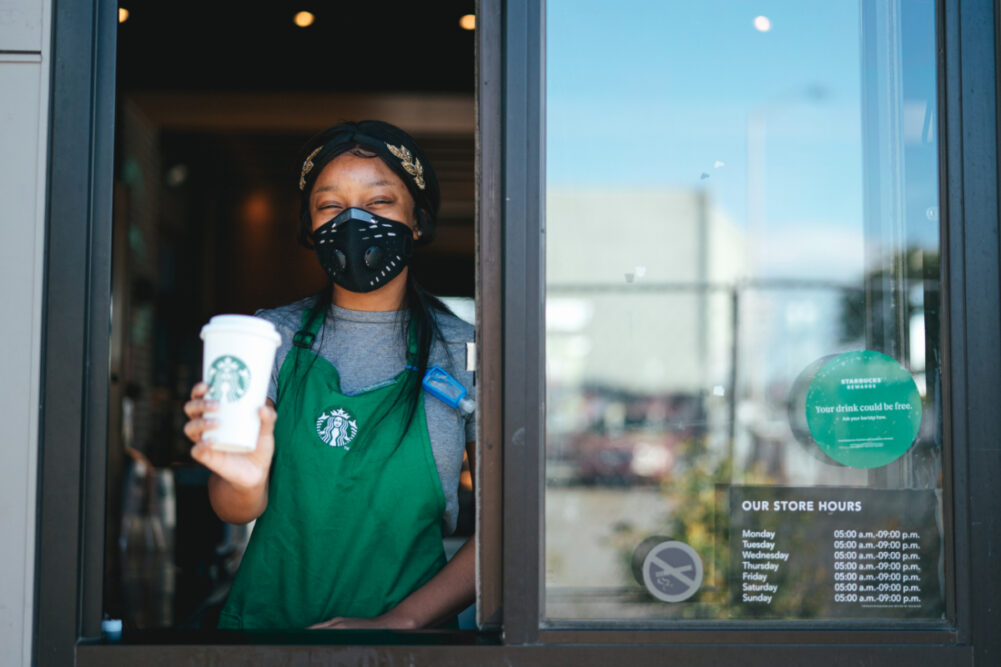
(244, 324)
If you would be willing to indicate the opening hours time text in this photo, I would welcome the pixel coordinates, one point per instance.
(877, 568)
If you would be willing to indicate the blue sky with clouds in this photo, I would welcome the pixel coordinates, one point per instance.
(662, 94)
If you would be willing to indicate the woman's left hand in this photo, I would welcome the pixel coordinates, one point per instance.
(383, 622)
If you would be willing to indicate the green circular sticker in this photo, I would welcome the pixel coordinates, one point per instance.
(863, 409)
(228, 379)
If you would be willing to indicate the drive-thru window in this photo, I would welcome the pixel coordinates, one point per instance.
(735, 275)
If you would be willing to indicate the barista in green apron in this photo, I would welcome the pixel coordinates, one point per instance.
(347, 498)
(353, 523)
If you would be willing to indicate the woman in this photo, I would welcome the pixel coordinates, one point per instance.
(355, 475)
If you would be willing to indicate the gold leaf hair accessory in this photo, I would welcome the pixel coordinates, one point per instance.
(307, 166)
(411, 166)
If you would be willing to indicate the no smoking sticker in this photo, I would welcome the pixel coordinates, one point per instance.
(672, 571)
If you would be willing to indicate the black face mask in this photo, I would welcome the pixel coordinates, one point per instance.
(361, 251)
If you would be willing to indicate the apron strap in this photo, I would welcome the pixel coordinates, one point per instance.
(304, 337)
(411, 347)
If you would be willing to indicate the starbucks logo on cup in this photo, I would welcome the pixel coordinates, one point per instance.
(228, 378)
(337, 428)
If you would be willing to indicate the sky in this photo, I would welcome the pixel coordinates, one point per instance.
(646, 93)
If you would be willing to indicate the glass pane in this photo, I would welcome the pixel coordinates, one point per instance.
(742, 275)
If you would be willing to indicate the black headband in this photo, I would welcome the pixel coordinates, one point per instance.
(411, 165)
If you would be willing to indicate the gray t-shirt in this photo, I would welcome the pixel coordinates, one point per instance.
(366, 349)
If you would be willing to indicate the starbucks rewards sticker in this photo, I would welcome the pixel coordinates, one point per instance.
(228, 378)
(863, 409)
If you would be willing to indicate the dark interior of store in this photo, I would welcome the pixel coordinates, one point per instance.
(214, 103)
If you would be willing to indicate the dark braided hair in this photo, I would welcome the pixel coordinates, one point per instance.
(369, 139)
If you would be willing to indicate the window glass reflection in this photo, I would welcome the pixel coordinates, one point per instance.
(742, 229)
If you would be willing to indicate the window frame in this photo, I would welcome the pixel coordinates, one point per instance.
(960, 106)
(775, 631)
(511, 231)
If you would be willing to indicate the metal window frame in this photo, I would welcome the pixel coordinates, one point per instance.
(523, 190)
(77, 294)
(967, 61)
(490, 316)
(511, 189)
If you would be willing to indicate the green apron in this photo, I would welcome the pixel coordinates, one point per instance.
(353, 522)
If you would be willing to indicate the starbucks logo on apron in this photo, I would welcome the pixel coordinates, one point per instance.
(228, 379)
(337, 428)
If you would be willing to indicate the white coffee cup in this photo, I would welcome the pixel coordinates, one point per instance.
(238, 355)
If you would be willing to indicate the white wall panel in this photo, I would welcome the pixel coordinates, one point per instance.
(23, 140)
(21, 25)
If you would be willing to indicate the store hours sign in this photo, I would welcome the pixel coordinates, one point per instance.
(834, 553)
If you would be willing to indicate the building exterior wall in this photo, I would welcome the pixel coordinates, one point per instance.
(592, 287)
(24, 101)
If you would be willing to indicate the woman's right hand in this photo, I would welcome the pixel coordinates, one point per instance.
(244, 471)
